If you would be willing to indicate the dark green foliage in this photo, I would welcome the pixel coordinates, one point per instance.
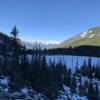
(91, 92)
(92, 71)
(15, 45)
(81, 89)
(83, 50)
(96, 94)
(73, 84)
(67, 77)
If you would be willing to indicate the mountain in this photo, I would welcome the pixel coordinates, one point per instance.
(90, 37)
(29, 44)
(40, 43)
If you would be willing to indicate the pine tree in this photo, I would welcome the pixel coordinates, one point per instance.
(83, 70)
(67, 77)
(15, 45)
(81, 89)
(89, 68)
(73, 84)
(15, 52)
(96, 93)
(44, 74)
(24, 63)
(91, 92)
(86, 84)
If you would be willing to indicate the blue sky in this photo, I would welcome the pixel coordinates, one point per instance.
(49, 19)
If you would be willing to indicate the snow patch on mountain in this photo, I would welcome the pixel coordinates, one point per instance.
(90, 31)
(83, 35)
(91, 35)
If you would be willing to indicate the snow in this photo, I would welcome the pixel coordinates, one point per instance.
(67, 89)
(90, 31)
(49, 42)
(4, 81)
(84, 79)
(71, 61)
(76, 97)
(31, 94)
(94, 80)
(24, 90)
(91, 35)
(6, 89)
(83, 35)
(27, 92)
(68, 95)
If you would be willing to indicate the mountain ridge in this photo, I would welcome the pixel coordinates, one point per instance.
(40, 43)
(90, 37)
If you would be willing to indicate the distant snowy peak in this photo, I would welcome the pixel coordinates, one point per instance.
(50, 42)
(43, 44)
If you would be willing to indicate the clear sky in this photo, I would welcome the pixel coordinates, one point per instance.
(49, 19)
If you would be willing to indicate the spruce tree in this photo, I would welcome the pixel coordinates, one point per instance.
(96, 93)
(15, 45)
(91, 92)
(15, 52)
(73, 84)
(81, 89)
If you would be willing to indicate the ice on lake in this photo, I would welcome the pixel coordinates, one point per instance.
(72, 61)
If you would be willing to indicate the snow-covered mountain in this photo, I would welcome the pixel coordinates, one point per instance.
(40, 43)
(90, 37)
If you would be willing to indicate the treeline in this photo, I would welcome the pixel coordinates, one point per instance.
(85, 50)
(47, 78)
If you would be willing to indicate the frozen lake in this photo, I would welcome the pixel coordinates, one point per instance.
(72, 61)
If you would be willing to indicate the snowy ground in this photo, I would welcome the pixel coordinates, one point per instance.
(27, 93)
(68, 95)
